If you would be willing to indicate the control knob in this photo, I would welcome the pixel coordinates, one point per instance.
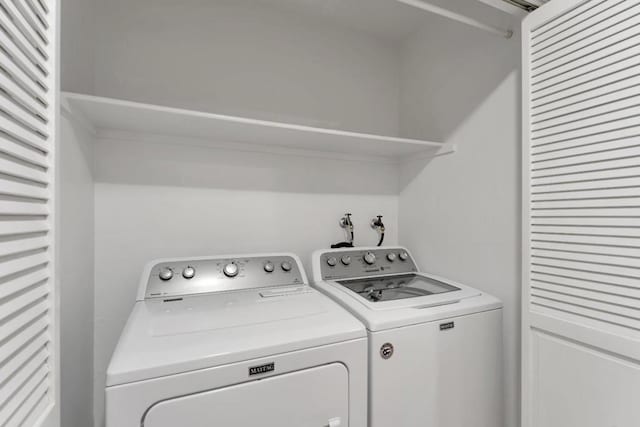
(231, 269)
(268, 267)
(286, 266)
(166, 274)
(369, 258)
(188, 272)
(391, 256)
(332, 261)
(346, 260)
(404, 255)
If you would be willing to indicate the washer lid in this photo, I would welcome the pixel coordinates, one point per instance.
(405, 290)
(395, 287)
(164, 337)
(424, 298)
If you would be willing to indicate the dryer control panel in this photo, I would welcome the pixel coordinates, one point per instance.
(174, 278)
(365, 262)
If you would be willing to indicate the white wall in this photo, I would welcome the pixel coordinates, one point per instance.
(460, 213)
(246, 58)
(76, 273)
(78, 37)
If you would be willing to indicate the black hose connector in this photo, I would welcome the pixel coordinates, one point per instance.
(378, 225)
(347, 224)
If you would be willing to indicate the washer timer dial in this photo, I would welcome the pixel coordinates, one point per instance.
(166, 274)
(268, 267)
(369, 258)
(188, 272)
(231, 269)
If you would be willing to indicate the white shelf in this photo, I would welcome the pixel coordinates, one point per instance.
(112, 114)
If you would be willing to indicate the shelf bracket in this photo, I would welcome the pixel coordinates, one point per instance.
(446, 149)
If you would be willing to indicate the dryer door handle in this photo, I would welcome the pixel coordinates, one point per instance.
(334, 422)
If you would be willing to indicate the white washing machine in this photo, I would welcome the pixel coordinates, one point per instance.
(435, 346)
(236, 341)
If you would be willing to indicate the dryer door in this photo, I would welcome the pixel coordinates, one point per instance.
(316, 397)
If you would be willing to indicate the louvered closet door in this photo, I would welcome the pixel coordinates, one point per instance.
(581, 214)
(28, 321)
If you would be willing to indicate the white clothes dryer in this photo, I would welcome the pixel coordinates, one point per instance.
(236, 341)
(435, 346)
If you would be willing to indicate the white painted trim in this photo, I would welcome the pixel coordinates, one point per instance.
(51, 417)
(525, 410)
(55, 28)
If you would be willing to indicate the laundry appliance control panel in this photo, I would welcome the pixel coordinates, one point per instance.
(173, 278)
(365, 262)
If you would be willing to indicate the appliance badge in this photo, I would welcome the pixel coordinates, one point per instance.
(386, 351)
(446, 326)
(262, 369)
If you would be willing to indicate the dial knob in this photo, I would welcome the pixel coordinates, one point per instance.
(166, 273)
(332, 261)
(231, 269)
(391, 256)
(286, 266)
(268, 267)
(346, 260)
(404, 255)
(188, 272)
(369, 258)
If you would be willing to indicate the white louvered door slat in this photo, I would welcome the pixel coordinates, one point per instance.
(598, 17)
(581, 214)
(24, 282)
(35, 20)
(25, 118)
(39, 13)
(22, 396)
(21, 39)
(20, 170)
(29, 353)
(36, 345)
(25, 98)
(15, 129)
(10, 207)
(18, 74)
(555, 27)
(35, 317)
(21, 60)
(42, 4)
(28, 314)
(22, 374)
(20, 151)
(616, 29)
